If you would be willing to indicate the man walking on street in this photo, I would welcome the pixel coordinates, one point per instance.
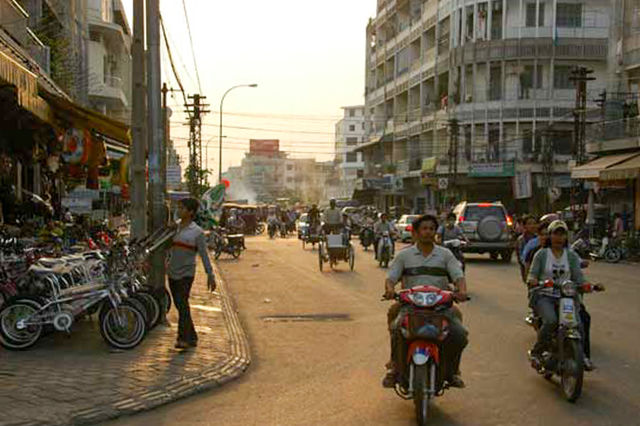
(188, 241)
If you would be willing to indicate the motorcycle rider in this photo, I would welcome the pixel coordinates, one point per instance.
(450, 231)
(382, 226)
(558, 263)
(530, 227)
(426, 263)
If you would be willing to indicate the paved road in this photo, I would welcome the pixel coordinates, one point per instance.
(311, 373)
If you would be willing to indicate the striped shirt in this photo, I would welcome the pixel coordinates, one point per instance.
(415, 269)
(188, 242)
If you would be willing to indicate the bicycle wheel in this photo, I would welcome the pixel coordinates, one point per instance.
(123, 327)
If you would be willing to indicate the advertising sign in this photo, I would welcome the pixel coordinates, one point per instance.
(77, 205)
(174, 175)
(522, 187)
(492, 169)
(264, 147)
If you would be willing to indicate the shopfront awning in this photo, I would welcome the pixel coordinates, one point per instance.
(629, 169)
(84, 118)
(362, 147)
(593, 169)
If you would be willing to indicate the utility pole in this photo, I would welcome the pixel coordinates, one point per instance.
(195, 110)
(547, 166)
(580, 76)
(157, 176)
(454, 134)
(139, 148)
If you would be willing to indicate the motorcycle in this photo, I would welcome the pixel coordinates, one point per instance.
(221, 242)
(367, 237)
(424, 326)
(565, 357)
(387, 249)
(456, 248)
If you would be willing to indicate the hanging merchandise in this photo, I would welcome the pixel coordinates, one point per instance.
(75, 149)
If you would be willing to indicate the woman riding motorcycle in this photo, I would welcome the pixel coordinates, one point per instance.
(555, 262)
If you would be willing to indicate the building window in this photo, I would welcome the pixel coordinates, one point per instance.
(569, 15)
(352, 127)
(563, 142)
(530, 78)
(561, 75)
(352, 141)
(352, 113)
(289, 180)
(362, 125)
(289, 166)
(531, 15)
(352, 157)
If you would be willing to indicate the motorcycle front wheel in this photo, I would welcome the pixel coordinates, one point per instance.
(612, 255)
(420, 396)
(572, 370)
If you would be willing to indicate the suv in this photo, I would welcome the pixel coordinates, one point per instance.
(488, 227)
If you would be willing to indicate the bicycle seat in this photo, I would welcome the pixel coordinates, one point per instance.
(82, 289)
(235, 236)
(41, 270)
(50, 262)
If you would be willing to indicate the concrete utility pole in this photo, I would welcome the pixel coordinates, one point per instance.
(157, 176)
(139, 148)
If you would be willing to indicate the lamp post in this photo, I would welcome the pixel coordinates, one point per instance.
(206, 161)
(220, 139)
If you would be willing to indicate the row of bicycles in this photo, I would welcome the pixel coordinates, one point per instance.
(42, 294)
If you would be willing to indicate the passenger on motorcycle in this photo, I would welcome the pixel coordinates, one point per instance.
(426, 263)
(557, 262)
(382, 226)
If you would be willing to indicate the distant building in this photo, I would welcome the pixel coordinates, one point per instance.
(109, 51)
(349, 132)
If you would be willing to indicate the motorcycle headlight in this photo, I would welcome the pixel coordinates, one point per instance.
(568, 288)
(425, 300)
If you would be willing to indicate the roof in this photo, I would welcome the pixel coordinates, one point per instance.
(592, 169)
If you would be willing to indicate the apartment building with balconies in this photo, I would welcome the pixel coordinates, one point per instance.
(349, 132)
(109, 51)
(495, 76)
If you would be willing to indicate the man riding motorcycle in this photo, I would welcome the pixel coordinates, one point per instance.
(450, 231)
(426, 263)
(382, 226)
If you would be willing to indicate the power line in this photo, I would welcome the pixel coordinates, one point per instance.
(173, 67)
(193, 53)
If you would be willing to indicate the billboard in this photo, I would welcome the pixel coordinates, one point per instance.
(265, 147)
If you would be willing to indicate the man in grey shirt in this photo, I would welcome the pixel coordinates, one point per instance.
(449, 230)
(188, 241)
(426, 263)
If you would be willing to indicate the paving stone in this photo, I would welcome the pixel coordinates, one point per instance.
(79, 380)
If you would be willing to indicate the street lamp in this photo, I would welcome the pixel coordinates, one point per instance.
(206, 161)
(220, 140)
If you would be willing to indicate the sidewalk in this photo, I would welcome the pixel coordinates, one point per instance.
(79, 379)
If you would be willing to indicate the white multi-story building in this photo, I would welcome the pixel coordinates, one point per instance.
(501, 70)
(109, 59)
(349, 132)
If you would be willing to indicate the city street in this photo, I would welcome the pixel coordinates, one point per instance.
(329, 372)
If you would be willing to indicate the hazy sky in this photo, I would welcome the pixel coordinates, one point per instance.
(307, 58)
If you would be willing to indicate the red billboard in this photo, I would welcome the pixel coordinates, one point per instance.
(264, 147)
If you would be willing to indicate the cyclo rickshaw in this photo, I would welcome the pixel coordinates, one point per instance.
(335, 247)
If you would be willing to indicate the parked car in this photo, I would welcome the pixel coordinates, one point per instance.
(404, 226)
(488, 227)
(302, 225)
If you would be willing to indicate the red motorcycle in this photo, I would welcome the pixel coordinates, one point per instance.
(424, 326)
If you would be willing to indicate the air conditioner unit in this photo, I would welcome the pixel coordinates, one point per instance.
(112, 58)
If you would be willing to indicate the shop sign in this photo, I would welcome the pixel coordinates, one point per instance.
(90, 194)
(174, 175)
(499, 169)
(428, 181)
(77, 205)
(429, 165)
(443, 183)
(522, 186)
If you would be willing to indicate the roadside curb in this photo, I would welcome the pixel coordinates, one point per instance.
(215, 376)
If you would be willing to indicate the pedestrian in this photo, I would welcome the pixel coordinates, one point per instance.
(188, 241)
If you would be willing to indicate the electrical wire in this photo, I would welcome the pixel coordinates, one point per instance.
(193, 52)
(173, 67)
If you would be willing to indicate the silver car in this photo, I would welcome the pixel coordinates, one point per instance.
(404, 226)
